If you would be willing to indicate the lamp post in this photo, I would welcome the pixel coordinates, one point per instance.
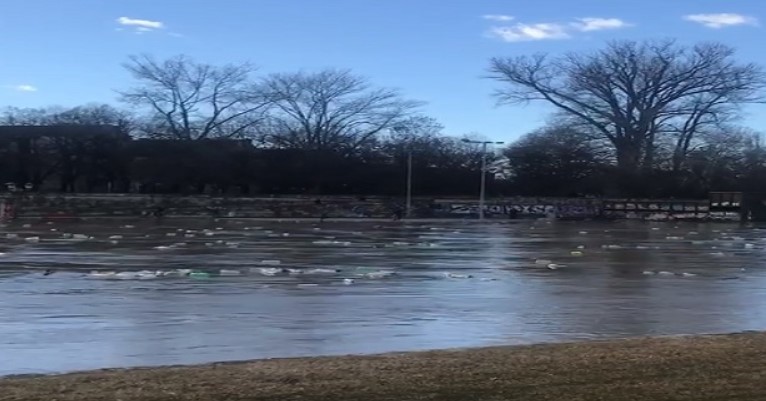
(408, 207)
(483, 187)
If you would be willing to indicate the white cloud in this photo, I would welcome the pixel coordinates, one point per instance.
(529, 32)
(140, 25)
(498, 17)
(721, 20)
(522, 32)
(599, 24)
(25, 88)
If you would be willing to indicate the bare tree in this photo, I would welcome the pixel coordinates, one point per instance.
(632, 93)
(188, 100)
(329, 110)
(556, 160)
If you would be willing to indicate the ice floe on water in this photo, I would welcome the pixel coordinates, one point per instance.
(126, 275)
(666, 273)
(229, 272)
(457, 275)
(320, 270)
(331, 242)
(268, 271)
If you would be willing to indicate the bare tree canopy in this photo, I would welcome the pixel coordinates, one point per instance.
(556, 160)
(423, 137)
(85, 115)
(190, 100)
(329, 110)
(637, 94)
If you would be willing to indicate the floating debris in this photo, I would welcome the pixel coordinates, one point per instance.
(348, 281)
(268, 271)
(576, 253)
(229, 272)
(322, 271)
(380, 274)
(457, 275)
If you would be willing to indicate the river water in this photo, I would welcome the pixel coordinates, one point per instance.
(283, 289)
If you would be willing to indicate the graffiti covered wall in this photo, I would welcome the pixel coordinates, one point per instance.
(554, 208)
(585, 208)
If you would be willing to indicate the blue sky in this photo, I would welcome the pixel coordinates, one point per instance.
(68, 52)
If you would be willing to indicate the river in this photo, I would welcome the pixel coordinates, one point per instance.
(284, 289)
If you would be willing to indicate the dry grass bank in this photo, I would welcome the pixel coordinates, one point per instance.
(727, 367)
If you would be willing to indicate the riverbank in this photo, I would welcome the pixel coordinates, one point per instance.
(720, 367)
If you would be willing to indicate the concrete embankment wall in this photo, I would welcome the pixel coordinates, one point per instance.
(128, 205)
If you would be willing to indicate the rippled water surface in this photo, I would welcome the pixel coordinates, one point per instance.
(279, 289)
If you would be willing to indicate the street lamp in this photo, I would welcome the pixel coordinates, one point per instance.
(483, 171)
(408, 201)
(408, 206)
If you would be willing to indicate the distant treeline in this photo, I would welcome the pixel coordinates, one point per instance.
(634, 119)
(78, 158)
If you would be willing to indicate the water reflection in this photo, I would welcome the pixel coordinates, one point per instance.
(625, 279)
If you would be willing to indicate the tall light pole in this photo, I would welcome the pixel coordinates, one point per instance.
(483, 187)
(408, 207)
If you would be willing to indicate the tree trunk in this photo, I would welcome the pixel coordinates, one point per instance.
(628, 157)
